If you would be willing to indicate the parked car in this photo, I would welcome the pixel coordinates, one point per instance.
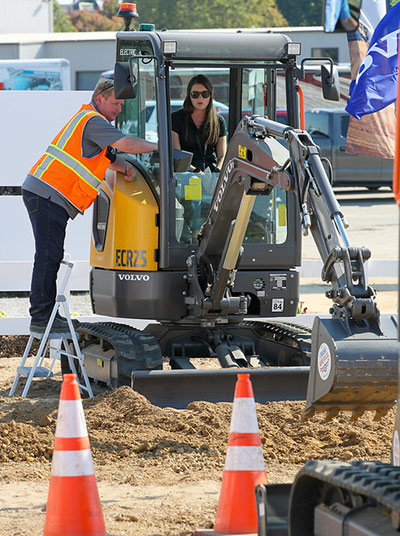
(328, 128)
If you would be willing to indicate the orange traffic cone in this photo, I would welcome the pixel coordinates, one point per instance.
(73, 504)
(244, 467)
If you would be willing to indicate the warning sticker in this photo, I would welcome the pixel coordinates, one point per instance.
(324, 361)
(193, 189)
(278, 281)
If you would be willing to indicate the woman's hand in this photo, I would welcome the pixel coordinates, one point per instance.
(196, 170)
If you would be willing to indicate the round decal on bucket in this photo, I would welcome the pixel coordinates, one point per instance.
(324, 361)
(396, 449)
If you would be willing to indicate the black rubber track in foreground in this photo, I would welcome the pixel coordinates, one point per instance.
(353, 498)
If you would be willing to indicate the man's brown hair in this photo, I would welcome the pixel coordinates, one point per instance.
(105, 86)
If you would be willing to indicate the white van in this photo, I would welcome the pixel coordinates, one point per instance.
(37, 74)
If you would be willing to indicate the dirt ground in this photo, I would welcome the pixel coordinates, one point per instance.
(158, 470)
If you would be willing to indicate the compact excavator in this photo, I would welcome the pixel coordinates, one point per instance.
(210, 261)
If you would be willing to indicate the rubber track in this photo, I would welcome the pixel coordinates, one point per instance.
(377, 481)
(129, 344)
(125, 339)
(169, 388)
(290, 334)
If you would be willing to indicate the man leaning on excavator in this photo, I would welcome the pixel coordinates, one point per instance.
(64, 182)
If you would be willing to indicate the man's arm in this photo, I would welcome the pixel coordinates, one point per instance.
(128, 144)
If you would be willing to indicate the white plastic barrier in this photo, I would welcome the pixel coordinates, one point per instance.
(373, 268)
(31, 119)
(17, 246)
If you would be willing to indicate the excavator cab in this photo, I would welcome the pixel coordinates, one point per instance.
(139, 264)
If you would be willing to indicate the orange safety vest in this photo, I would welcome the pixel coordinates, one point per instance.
(63, 167)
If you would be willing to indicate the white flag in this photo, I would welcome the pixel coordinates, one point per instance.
(372, 11)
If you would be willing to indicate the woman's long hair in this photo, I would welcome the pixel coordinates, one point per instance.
(211, 122)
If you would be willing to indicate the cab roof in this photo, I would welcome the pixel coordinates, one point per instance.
(234, 45)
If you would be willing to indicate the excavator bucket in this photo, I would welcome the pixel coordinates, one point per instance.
(354, 366)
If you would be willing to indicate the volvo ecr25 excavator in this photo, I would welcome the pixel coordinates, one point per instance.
(211, 260)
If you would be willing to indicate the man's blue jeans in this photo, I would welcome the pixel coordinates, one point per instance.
(49, 222)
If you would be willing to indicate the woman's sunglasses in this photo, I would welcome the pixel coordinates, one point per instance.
(196, 94)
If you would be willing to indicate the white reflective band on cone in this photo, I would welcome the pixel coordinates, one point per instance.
(244, 459)
(244, 417)
(71, 420)
(72, 463)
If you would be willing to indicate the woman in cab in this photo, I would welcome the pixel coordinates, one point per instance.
(198, 128)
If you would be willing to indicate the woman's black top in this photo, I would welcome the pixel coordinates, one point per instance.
(193, 139)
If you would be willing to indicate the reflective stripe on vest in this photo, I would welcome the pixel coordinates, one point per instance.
(54, 153)
(71, 126)
(63, 167)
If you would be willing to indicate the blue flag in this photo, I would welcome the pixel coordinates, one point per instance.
(376, 84)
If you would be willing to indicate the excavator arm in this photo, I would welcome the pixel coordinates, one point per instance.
(255, 164)
(246, 173)
(343, 264)
(354, 351)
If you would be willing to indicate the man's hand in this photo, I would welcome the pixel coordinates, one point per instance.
(129, 173)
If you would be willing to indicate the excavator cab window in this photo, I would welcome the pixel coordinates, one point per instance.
(138, 117)
(267, 223)
(194, 191)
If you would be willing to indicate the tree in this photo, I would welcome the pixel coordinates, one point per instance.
(110, 8)
(84, 21)
(61, 22)
(307, 15)
(185, 14)
(197, 14)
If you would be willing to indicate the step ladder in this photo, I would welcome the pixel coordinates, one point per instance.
(57, 345)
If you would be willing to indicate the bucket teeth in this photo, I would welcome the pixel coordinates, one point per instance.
(356, 413)
(331, 414)
(307, 414)
(380, 412)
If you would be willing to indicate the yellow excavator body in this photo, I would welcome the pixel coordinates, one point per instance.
(131, 241)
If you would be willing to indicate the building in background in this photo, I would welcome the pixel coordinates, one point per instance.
(69, 6)
(26, 33)
(91, 53)
(23, 16)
